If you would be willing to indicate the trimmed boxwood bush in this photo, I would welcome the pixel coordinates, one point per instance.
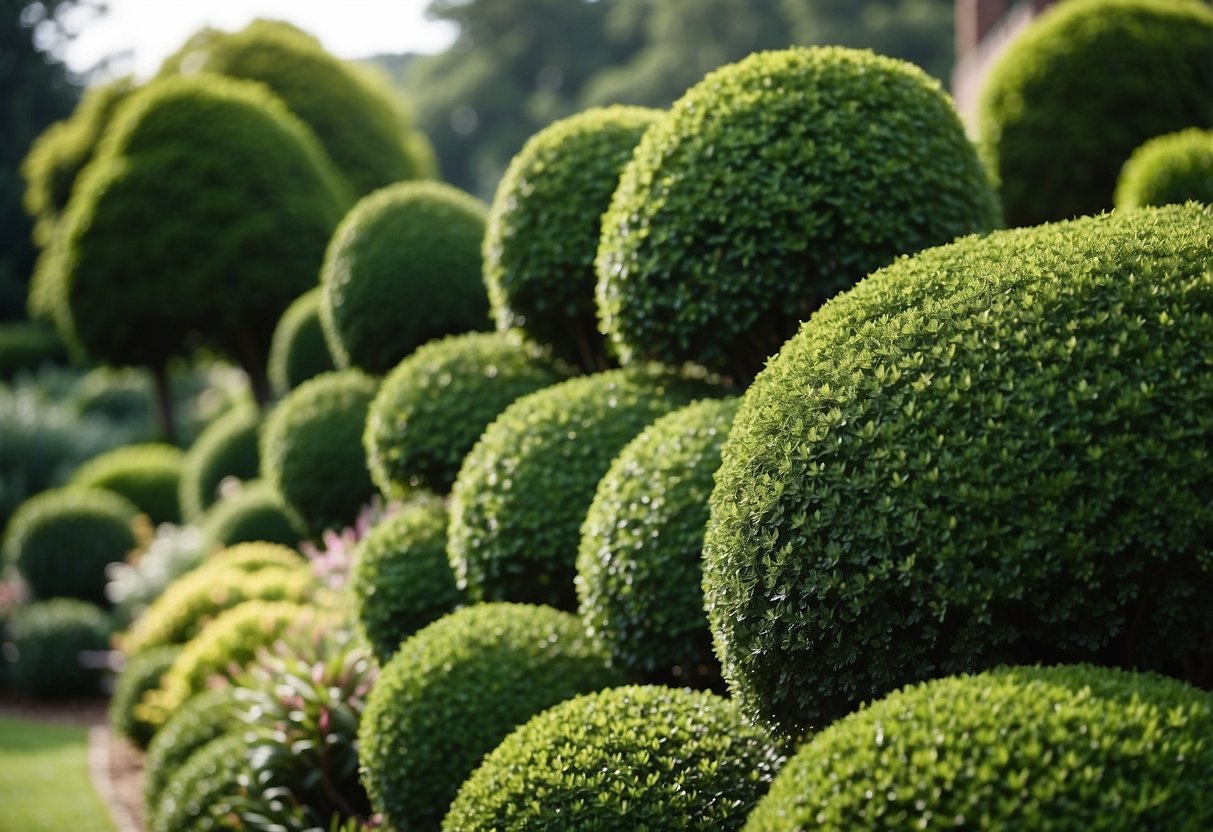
(401, 579)
(1168, 169)
(255, 513)
(992, 452)
(622, 759)
(26, 346)
(432, 408)
(544, 225)
(148, 475)
(227, 447)
(1052, 109)
(639, 570)
(311, 449)
(1016, 748)
(523, 491)
(298, 350)
(200, 793)
(455, 690)
(141, 674)
(773, 184)
(403, 268)
(207, 716)
(61, 541)
(48, 637)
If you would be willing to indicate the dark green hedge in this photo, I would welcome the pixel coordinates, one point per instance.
(141, 674)
(1168, 169)
(207, 716)
(201, 792)
(26, 346)
(48, 637)
(773, 184)
(227, 447)
(993, 452)
(148, 475)
(1054, 114)
(255, 513)
(298, 350)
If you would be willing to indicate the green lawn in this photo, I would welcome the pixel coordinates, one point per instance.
(44, 782)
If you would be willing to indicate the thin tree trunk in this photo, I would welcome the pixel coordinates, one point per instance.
(164, 403)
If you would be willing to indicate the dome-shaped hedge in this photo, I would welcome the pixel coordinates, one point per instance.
(1015, 748)
(639, 569)
(544, 225)
(207, 716)
(311, 449)
(993, 452)
(400, 579)
(523, 491)
(48, 638)
(26, 346)
(254, 513)
(455, 689)
(148, 475)
(403, 268)
(432, 408)
(61, 541)
(298, 350)
(1053, 110)
(227, 447)
(622, 759)
(773, 184)
(1168, 169)
(141, 674)
(203, 790)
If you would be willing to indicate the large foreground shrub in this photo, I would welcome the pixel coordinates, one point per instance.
(1168, 169)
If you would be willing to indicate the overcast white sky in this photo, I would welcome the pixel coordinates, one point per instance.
(151, 29)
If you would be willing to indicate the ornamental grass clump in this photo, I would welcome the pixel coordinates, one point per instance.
(148, 475)
(993, 452)
(1168, 169)
(298, 350)
(770, 186)
(227, 447)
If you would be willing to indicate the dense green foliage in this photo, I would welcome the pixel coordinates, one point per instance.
(523, 491)
(200, 793)
(993, 452)
(298, 349)
(255, 512)
(26, 346)
(435, 404)
(639, 570)
(311, 449)
(622, 759)
(1026, 748)
(148, 475)
(1053, 108)
(773, 184)
(543, 229)
(206, 717)
(455, 689)
(61, 541)
(403, 268)
(1168, 169)
(141, 674)
(227, 447)
(48, 637)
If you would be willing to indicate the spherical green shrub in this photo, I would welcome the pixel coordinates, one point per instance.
(254, 513)
(523, 491)
(1024, 748)
(298, 350)
(1168, 169)
(253, 556)
(142, 673)
(773, 184)
(433, 407)
(544, 225)
(311, 449)
(639, 570)
(207, 716)
(455, 689)
(401, 579)
(148, 475)
(202, 791)
(227, 447)
(49, 637)
(622, 759)
(1052, 109)
(403, 268)
(61, 541)
(25, 346)
(992, 452)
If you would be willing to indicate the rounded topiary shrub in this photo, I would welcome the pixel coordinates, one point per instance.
(992, 452)
(622, 759)
(26, 346)
(434, 405)
(455, 690)
(403, 268)
(207, 716)
(1168, 169)
(1017, 748)
(227, 447)
(524, 489)
(298, 350)
(401, 579)
(141, 674)
(148, 475)
(544, 225)
(253, 557)
(48, 638)
(254, 513)
(311, 449)
(639, 570)
(773, 184)
(61, 541)
(1052, 109)
(200, 793)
